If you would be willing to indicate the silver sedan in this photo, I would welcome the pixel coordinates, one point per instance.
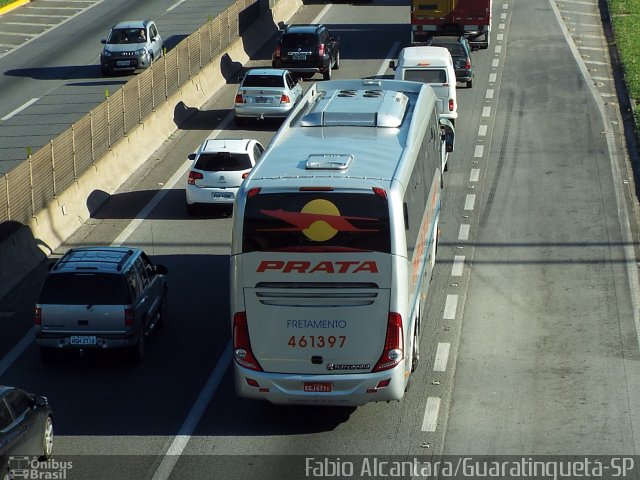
(266, 93)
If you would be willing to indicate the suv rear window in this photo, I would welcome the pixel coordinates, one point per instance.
(301, 221)
(299, 39)
(263, 81)
(84, 289)
(426, 76)
(223, 161)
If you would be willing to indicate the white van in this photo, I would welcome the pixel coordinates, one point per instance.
(434, 66)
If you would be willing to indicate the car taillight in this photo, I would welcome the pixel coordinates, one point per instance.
(321, 49)
(468, 64)
(129, 317)
(246, 174)
(37, 316)
(393, 345)
(241, 345)
(193, 176)
(451, 104)
(284, 99)
(239, 98)
(277, 52)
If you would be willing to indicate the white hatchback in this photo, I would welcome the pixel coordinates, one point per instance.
(219, 167)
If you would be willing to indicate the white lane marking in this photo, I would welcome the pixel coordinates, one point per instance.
(17, 350)
(470, 201)
(195, 415)
(578, 2)
(391, 54)
(20, 108)
(35, 15)
(475, 175)
(594, 62)
(503, 16)
(450, 307)
(505, 6)
(442, 356)
(458, 266)
(489, 93)
(482, 131)
(501, 26)
(21, 34)
(25, 24)
(596, 49)
(175, 5)
(479, 151)
(486, 111)
(321, 14)
(599, 37)
(463, 234)
(604, 94)
(69, 18)
(495, 62)
(492, 77)
(499, 37)
(430, 419)
(606, 79)
(498, 48)
(575, 12)
(587, 25)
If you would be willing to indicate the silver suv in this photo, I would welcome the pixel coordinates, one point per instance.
(130, 46)
(100, 298)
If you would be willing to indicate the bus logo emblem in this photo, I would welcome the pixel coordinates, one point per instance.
(319, 220)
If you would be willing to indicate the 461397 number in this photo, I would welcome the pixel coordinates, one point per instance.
(317, 341)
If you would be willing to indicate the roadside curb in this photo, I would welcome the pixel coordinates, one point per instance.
(13, 6)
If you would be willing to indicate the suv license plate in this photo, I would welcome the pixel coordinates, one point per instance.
(123, 63)
(299, 56)
(316, 387)
(82, 341)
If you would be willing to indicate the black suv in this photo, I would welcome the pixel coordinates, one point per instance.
(460, 50)
(306, 50)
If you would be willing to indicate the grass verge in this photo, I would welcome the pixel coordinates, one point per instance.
(625, 15)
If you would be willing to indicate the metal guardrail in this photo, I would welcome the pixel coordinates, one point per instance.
(29, 187)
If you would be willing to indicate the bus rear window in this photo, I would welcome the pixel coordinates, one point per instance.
(316, 221)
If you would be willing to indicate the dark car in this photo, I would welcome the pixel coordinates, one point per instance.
(306, 50)
(460, 50)
(26, 430)
(101, 298)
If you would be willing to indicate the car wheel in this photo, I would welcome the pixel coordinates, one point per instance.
(105, 72)
(327, 73)
(191, 209)
(336, 65)
(470, 84)
(47, 439)
(240, 121)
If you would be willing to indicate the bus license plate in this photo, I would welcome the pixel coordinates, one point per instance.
(82, 340)
(321, 387)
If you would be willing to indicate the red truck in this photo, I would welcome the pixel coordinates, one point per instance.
(471, 18)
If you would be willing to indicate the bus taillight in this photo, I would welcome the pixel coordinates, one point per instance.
(241, 344)
(393, 345)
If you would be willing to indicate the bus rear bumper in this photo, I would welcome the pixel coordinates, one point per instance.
(340, 390)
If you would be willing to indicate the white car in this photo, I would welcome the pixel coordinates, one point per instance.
(219, 167)
(266, 93)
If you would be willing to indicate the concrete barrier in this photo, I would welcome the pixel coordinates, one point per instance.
(49, 228)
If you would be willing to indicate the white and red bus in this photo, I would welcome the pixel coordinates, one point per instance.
(334, 242)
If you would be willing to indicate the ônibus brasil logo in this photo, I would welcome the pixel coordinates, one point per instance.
(319, 220)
